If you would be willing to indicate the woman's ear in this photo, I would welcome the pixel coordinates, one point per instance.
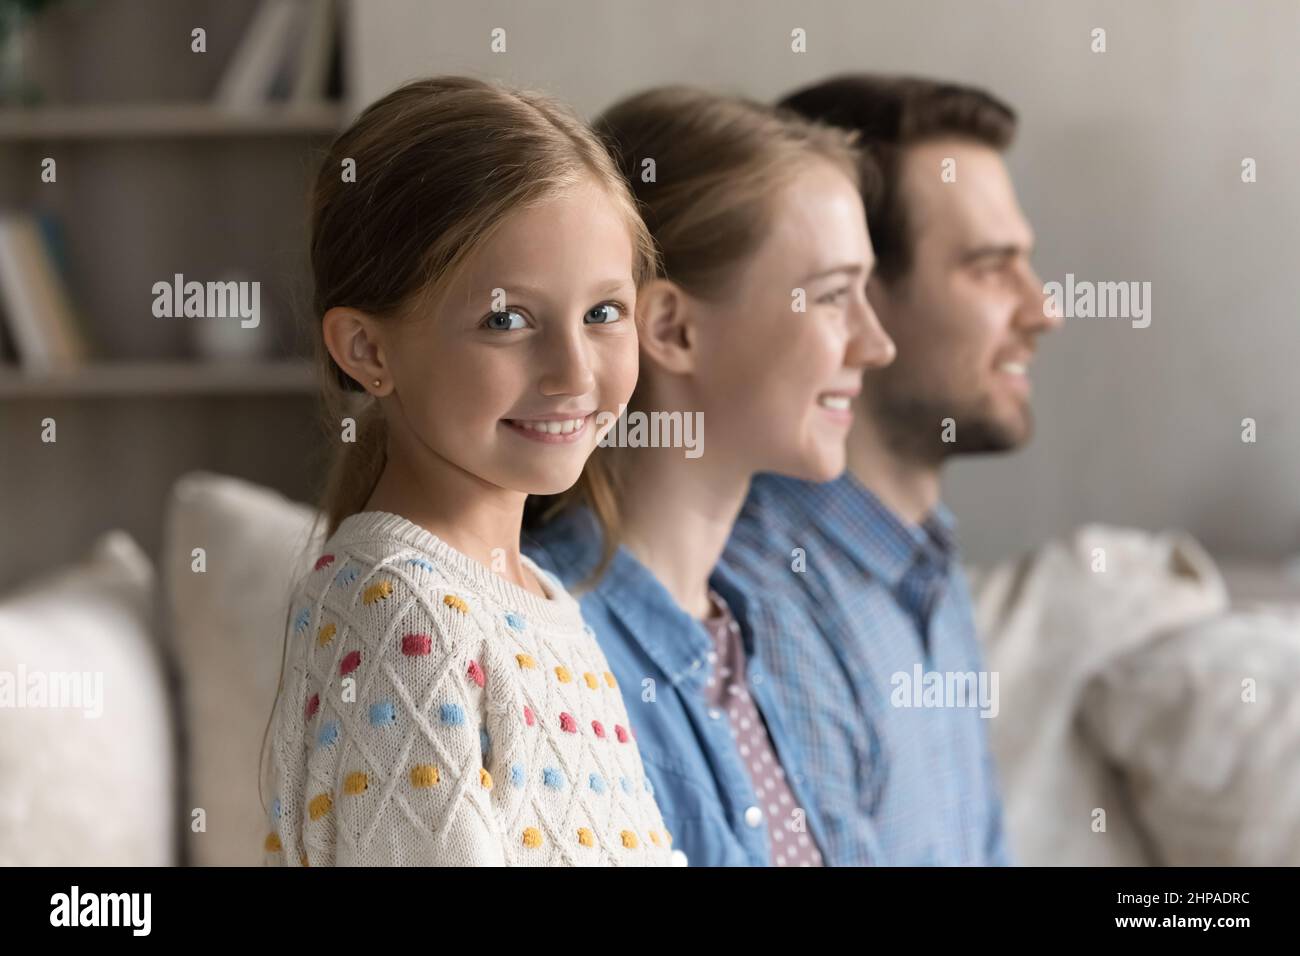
(666, 319)
(352, 338)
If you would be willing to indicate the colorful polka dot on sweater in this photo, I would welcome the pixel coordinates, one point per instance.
(356, 783)
(568, 724)
(324, 561)
(326, 634)
(382, 714)
(476, 673)
(329, 733)
(515, 621)
(553, 778)
(455, 603)
(452, 714)
(377, 592)
(424, 776)
(416, 645)
(351, 661)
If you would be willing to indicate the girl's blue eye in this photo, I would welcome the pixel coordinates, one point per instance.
(604, 314)
(505, 321)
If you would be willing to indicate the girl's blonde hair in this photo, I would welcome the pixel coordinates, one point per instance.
(439, 164)
(704, 168)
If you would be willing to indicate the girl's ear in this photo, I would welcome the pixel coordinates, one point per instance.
(352, 338)
(666, 319)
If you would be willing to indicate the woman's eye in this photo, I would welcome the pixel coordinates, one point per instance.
(506, 321)
(604, 314)
(834, 297)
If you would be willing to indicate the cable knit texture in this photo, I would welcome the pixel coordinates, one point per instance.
(433, 713)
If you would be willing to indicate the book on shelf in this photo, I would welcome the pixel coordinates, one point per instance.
(284, 57)
(35, 307)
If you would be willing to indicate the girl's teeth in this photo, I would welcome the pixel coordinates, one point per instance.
(834, 401)
(553, 428)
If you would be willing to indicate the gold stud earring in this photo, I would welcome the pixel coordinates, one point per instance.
(376, 383)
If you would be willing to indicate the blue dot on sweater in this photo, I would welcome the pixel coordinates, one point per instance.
(452, 714)
(302, 620)
(382, 713)
(627, 785)
(329, 732)
(515, 621)
(596, 783)
(484, 741)
(553, 778)
(275, 808)
(421, 563)
(517, 775)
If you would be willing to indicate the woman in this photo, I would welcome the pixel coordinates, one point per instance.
(758, 323)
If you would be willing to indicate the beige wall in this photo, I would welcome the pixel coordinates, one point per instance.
(1128, 165)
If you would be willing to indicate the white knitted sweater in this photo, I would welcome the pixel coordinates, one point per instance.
(433, 713)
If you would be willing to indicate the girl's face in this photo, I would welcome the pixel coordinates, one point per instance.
(778, 384)
(528, 346)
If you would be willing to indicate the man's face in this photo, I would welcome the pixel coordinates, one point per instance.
(966, 316)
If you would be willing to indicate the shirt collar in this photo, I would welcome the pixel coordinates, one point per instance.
(677, 643)
(870, 534)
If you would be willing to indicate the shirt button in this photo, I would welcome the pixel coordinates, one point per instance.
(754, 817)
(756, 679)
(714, 713)
(678, 858)
(695, 664)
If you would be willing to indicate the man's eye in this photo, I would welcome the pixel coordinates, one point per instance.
(604, 314)
(506, 321)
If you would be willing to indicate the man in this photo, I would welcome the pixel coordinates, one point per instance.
(864, 622)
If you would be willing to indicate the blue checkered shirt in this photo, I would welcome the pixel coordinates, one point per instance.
(877, 604)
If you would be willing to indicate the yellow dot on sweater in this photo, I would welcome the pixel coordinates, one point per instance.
(590, 678)
(455, 603)
(629, 839)
(654, 837)
(273, 844)
(355, 783)
(424, 775)
(485, 778)
(377, 592)
(563, 674)
(319, 806)
(326, 634)
(669, 836)
(303, 860)
(525, 661)
(586, 837)
(532, 837)
(609, 679)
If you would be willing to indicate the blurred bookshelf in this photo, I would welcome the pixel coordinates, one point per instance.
(170, 161)
(163, 120)
(174, 378)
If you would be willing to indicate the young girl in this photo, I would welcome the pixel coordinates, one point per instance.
(759, 324)
(476, 257)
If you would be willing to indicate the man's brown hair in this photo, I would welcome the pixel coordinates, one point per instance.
(891, 113)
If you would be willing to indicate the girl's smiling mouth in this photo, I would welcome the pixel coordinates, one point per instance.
(551, 430)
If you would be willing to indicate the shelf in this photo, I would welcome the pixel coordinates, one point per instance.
(163, 378)
(163, 120)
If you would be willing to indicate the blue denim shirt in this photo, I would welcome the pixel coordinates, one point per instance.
(871, 598)
(661, 658)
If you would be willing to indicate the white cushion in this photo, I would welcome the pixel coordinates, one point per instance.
(227, 632)
(78, 789)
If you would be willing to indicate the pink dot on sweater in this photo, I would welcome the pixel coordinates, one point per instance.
(529, 719)
(620, 733)
(324, 561)
(598, 728)
(313, 705)
(568, 724)
(350, 663)
(415, 645)
(476, 673)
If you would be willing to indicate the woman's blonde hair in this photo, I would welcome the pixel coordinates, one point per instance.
(704, 168)
(438, 166)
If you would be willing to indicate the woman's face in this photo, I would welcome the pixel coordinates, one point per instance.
(777, 384)
(528, 346)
